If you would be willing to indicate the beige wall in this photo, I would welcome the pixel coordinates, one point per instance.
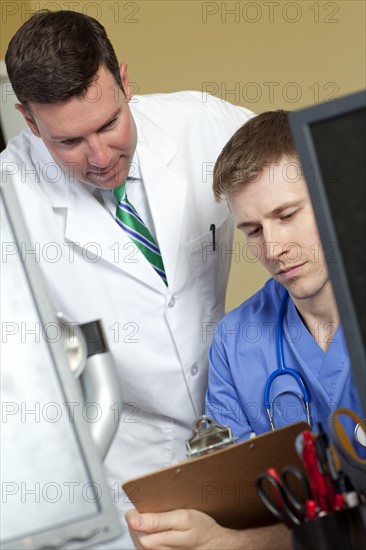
(11, 19)
(260, 54)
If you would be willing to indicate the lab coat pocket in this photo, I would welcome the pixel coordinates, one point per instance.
(211, 264)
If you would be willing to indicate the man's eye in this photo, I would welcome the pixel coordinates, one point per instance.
(253, 232)
(111, 123)
(289, 216)
(69, 142)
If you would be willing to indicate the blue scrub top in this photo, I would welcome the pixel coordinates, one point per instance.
(243, 355)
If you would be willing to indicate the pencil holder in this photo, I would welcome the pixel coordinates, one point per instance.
(343, 530)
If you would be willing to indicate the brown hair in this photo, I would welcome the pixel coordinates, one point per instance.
(262, 140)
(56, 55)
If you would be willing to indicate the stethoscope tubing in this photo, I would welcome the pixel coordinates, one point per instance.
(282, 369)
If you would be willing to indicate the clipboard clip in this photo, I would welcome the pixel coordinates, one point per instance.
(208, 436)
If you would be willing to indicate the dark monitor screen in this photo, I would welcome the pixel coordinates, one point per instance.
(331, 142)
(340, 145)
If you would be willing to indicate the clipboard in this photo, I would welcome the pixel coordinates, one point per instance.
(220, 483)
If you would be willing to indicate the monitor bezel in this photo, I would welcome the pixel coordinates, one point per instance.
(300, 123)
(104, 524)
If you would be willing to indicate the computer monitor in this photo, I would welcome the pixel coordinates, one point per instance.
(330, 139)
(54, 492)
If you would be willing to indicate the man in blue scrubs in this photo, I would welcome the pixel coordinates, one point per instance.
(259, 174)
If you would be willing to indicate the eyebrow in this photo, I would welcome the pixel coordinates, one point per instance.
(63, 138)
(273, 213)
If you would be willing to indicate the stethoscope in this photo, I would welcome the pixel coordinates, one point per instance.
(359, 433)
(284, 370)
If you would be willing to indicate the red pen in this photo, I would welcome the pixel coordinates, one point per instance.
(327, 468)
(320, 487)
(311, 509)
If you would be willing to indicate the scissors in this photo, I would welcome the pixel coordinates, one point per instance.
(351, 463)
(277, 495)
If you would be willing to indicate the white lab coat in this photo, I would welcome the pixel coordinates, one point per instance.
(159, 336)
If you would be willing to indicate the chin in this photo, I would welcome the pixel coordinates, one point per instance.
(111, 183)
(305, 293)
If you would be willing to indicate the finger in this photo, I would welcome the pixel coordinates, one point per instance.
(164, 540)
(155, 523)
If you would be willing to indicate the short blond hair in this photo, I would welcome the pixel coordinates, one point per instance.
(261, 141)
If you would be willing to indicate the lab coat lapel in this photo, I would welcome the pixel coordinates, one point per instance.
(94, 229)
(166, 195)
(166, 192)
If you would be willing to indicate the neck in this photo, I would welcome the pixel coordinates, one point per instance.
(320, 315)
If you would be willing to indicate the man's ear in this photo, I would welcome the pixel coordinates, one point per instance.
(28, 118)
(125, 80)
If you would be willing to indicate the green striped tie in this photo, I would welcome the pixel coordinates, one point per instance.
(128, 218)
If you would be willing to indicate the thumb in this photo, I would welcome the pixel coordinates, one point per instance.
(134, 519)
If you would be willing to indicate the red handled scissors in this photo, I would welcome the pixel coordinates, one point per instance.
(278, 495)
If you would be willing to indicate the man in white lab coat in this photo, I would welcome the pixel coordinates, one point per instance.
(86, 137)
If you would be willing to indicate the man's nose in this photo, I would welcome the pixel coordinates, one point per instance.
(98, 153)
(276, 244)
